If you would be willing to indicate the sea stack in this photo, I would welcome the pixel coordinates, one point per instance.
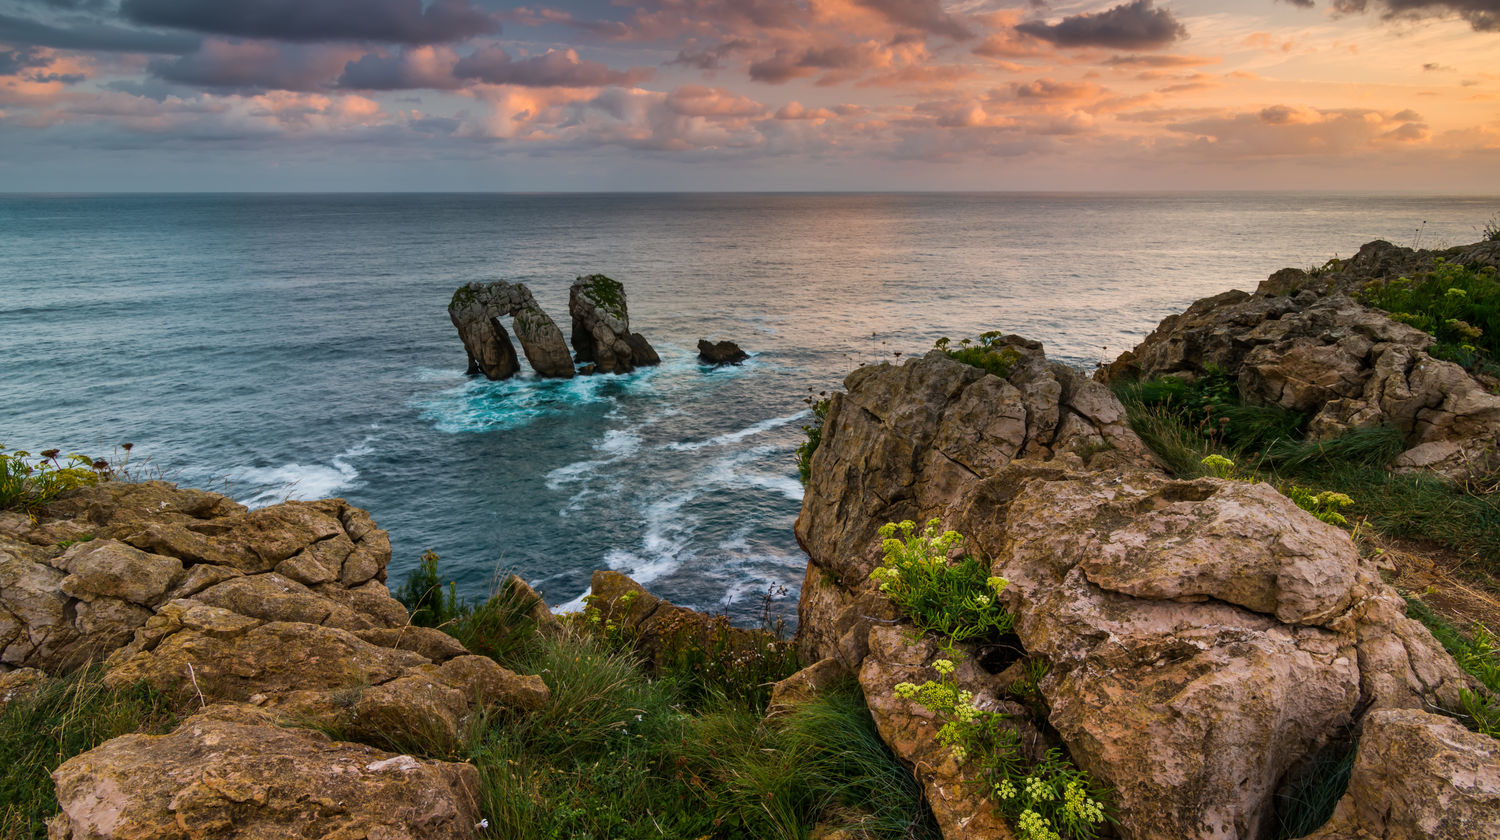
(601, 327)
(476, 310)
(720, 353)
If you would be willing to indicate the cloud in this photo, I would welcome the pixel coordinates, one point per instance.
(411, 68)
(255, 65)
(701, 101)
(95, 37)
(1054, 90)
(1296, 132)
(795, 110)
(1482, 15)
(393, 21)
(926, 15)
(709, 58)
(787, 64)
(1129, 26)
(555, 68)
(1159, 60)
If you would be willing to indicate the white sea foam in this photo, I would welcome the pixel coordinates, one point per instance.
(301, 481)
(735, 437)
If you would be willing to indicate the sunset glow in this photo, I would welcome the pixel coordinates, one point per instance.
(749, 94)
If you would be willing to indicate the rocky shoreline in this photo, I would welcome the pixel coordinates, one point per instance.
(1200, 641)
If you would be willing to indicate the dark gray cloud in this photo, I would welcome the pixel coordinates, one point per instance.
(91, 36)
(258, 65)
(400, 71)
(13, 62)
(1129, 26)
(709, 58)
(392, 21)
(1482, 15)
(785, 65)
(926, 15)
(552, 69)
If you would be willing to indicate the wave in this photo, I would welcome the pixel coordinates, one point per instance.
(735, 437)
(296, 481)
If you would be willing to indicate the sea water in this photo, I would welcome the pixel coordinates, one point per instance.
(277, 347)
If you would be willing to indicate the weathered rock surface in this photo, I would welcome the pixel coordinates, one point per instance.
(720, 353)
(1304, 344)
(658, 625)
(601, 327)
(476, 310)
(283, 610)
(232, 771)
(1419, 775)
(1204, 637)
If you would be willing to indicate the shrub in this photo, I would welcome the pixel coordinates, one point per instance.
(814, 432)
(424, 597)
(955, 600)
(1458, 306)
(989, 353)
(29, 483)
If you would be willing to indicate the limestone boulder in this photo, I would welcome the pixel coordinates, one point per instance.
(231, 771)
(1418, 774)
(601, 327)
(658, 627)
(476, 310)
(907, 441)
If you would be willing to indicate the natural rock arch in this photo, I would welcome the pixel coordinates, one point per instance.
(476, 310)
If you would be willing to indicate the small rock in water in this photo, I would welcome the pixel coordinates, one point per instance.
(722, 353)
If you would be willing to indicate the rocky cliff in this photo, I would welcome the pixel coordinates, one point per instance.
(1205, 639)
(257, 619)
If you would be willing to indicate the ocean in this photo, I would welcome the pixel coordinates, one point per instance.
(276, 347)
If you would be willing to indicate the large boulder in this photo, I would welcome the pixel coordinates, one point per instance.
(232, 771)
(1205, 638)
(284, 607)
(601, 327)
(1419, 775)
(720, 353)
(1302, 343)
(476, 310)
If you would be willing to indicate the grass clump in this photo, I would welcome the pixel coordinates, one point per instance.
(1195, 428)
(59, 718)
(626, 751)
(1306, 802)
(989, 353)
(1478, 653)
(1458, 306)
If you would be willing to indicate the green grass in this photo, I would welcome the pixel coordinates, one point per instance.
(1458, 306)
(1413, 506)
(1304, 804)
(621, 752)
(64, 717)
(814, 432)
(1478, 653)
(988, 353)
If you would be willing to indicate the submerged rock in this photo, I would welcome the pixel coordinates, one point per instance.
(720, 353)
(476, 310)
(601, 327)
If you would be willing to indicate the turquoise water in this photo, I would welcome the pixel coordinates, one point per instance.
(277, 347)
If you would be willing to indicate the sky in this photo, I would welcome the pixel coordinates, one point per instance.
(668, 95)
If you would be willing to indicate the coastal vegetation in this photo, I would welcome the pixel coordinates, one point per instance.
(57, 718)
(988, 352)
(1196, 427)
(678, 746)
(30, 483)
(1043, 797)
(1456, 304)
